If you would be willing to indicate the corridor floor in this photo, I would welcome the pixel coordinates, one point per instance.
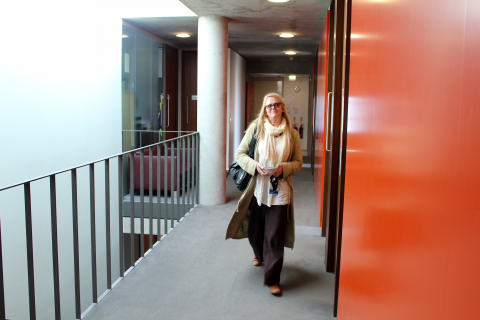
(195, 274)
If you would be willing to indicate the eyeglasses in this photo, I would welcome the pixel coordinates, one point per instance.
(276, 105)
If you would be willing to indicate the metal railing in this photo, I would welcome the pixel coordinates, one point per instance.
(183, 152)
(139, 137)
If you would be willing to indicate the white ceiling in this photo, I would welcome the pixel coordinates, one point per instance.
(254, 25)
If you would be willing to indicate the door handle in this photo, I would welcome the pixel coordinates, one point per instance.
(329, 115)
(187, 109)
(168, 110)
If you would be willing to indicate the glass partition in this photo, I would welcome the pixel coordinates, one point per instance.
(142, 84)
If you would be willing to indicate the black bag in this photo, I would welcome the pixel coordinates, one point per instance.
(240, 176)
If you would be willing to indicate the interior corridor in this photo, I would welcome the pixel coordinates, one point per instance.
(195, 274)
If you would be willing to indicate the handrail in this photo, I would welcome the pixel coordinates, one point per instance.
(100, 160)
(180, 195)
(155, 131)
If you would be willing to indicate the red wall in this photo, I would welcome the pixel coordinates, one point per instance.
(322, 72)
(411, 233)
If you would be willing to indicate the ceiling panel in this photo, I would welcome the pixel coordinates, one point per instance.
(254, 25)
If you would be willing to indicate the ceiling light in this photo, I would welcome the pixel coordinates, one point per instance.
(279, 0)
(290, 52)
(287, 35)
(124, 35)
(183, 35)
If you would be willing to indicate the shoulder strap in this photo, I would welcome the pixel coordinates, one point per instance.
(253, 142)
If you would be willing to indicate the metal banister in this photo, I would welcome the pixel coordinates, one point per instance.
(174, 207)
(96, 161)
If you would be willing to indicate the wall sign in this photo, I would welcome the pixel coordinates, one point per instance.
(288, 99)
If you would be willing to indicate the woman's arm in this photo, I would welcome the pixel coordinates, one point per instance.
(294, 165)
(241, 156)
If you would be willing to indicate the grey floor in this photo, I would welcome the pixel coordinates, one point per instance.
(195, 274)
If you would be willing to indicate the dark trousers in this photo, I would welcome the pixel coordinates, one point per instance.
(266, 233)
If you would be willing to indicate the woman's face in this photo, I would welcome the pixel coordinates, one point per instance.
(274, 113)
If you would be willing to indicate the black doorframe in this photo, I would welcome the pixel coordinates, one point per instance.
(343, 150)
(338, 85)
(335, 133)
(326, 182)
(170, 83)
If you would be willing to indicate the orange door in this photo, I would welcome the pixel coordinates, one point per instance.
(411, 230)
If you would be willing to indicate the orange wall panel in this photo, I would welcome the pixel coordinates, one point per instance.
(463, 237)
(411, 232)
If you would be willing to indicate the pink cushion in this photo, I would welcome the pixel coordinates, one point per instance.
(146, 186)
(146, 151)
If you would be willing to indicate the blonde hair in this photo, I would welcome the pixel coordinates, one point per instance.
(262, 115)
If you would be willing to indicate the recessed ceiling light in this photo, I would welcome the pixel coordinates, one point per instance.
(287, 35)
(124, 35)
(183, 35)
(278, 0)
(290, 52)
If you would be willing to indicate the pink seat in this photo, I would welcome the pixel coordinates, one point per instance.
(170, 161)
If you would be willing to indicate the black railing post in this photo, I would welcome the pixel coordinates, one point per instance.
(183, 166)
(29, 234)
(76, 259)
(2, 285)
(179, 184)
(189, 169)
(142, 203)
(194, 167)
(132, 209)
(107, 224)
(93, 234)
(172, 184)
(120, 216)
(159, 202)
(165, 188)
(197, 160)
(56, 276)
(150, 195)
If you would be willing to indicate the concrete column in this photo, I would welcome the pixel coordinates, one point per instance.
(212, 107)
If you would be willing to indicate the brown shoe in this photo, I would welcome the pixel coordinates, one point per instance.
(256, 262)
(275, 290)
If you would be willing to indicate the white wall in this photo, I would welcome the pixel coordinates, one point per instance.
(297, 104)
(60, 106)
(236, 103)
(60, 100)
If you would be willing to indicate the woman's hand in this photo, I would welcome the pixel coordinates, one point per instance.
(260, 170)
(279, 171)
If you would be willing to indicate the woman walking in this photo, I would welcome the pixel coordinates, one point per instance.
(265, 210)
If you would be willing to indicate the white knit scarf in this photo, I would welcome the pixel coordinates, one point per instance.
(273, 154)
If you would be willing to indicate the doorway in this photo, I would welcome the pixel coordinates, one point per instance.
(189, 90)
(296, 92)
